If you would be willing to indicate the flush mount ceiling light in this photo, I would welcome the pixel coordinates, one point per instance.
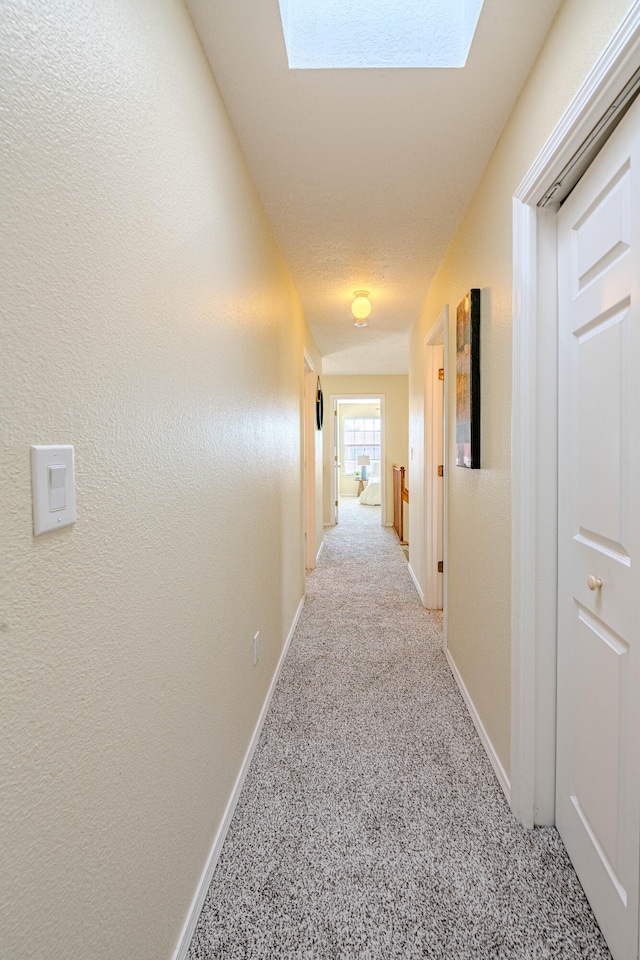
(361, 308)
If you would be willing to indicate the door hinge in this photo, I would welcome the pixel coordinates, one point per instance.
(440, 566)
(441, 373)
(336, 503)
(441, 470)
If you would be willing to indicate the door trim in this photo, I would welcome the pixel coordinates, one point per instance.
(337, 398)
(434, 438)
(309, 460)
(534, 433)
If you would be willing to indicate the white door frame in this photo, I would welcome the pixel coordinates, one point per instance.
(349, 398)
(309, 461)
(534, 433)
(435, 444)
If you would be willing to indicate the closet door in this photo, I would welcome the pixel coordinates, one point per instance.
(598, 775)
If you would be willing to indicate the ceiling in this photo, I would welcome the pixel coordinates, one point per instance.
(366, 173)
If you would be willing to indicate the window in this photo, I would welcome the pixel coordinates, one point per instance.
(361, 438)
(326, 34)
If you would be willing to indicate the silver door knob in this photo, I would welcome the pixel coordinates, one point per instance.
(594, 583)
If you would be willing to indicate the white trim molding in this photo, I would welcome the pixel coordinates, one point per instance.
(435, 405)
(309, 459)
(534, 428)
(524, 515)
(611, 73)
(189, 927)
(416, 584)
(335, 400)
(498, 768)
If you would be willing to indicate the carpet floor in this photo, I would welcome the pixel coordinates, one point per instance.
(371, 825)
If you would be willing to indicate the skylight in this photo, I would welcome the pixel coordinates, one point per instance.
(333, 34)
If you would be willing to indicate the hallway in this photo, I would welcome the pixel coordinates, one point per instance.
(371, 824)
(189, 228)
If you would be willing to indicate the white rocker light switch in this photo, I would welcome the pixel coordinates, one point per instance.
(57, 475)
(53, 486)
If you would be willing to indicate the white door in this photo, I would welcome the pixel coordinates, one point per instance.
(598, 795)
(439, 426)
(434, 460)
(337, 466)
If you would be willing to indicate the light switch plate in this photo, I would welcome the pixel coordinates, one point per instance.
(54, 505)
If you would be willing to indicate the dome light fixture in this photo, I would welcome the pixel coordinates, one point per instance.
(361, 308)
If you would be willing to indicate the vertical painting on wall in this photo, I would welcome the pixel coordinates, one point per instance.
(319, 406)
(468, 381)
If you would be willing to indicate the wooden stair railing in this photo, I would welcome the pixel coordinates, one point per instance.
(400, 497)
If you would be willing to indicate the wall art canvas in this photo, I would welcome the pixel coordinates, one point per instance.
(468, 381)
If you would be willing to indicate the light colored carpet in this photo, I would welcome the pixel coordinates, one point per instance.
(371, 825)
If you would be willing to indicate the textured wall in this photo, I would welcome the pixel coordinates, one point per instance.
(148, 319)
(395, 390)
(478, 570)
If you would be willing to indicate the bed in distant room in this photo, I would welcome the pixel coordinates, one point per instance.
(372, 493)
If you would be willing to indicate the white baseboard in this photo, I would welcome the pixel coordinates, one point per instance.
(499, 770)
(319, 551)
(207, 875)
(416, 584)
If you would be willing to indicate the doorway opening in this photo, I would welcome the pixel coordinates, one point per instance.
(358, 451)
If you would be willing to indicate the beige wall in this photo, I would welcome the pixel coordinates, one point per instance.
(478, 568)
(148, 319)
(394, 389)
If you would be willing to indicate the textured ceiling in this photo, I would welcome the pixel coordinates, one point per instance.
(365, 174)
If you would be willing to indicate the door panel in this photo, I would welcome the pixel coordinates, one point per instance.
(600, 363)
(600, 725)
(602, 233)
(598, 771)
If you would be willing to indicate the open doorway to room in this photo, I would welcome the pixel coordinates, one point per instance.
(358, 450)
